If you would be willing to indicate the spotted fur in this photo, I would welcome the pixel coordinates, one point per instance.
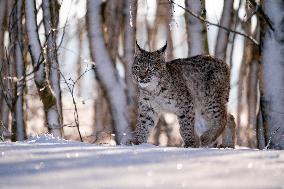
(195, 88)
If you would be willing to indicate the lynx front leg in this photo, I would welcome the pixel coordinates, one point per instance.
(147, 120)
(186, 121)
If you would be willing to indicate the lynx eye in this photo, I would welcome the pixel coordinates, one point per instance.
(137, 68)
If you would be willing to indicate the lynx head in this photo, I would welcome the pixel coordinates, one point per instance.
(147, 66)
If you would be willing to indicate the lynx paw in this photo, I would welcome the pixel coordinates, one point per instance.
(205, 140)
(192, 143)
(136, 140)
(131, 142)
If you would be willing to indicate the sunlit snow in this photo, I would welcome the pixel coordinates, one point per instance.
(48, 162)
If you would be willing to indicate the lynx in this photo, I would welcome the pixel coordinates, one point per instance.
(196, 89)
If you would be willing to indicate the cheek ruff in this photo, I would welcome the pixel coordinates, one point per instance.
(144, 85)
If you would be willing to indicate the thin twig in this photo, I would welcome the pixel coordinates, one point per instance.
(80, 76)
(270, 138)
(71, 87)
(214, 24)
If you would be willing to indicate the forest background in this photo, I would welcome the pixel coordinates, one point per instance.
(65, 66)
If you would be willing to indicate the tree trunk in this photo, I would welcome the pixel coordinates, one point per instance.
(163, 20)
(223, 35)
(272, 102)
(18, 124)
(107, 73)
(2, 31)
(113, 21)
(80, 31)
(260, 132)
(50, 25)
(7, 71)
(196, 29)
(242, 104)
(252, 96)
(2, 16)
(46, 94)
(103, 121)
(130, 8)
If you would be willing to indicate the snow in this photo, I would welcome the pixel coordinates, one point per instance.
(48, 162)
(48, 139)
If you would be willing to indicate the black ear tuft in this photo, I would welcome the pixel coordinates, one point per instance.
(138, 48)
(163, 49)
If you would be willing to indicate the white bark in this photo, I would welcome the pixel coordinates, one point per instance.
(19, 112)
(129, 37)
(196, 30)
(223, 35)
(4, 12)
(52, 62)
(34, 42)
(2, 16)
(46, 94)
(107, 73)
(273, 74)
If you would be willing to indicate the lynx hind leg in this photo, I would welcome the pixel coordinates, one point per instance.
(228, 136)
(187, 131)
(216, 118)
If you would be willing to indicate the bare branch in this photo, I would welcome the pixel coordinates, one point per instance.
(71, 87)
(254, 41)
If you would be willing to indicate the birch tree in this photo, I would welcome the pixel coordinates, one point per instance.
(223, 35)
(16, 40)
(164, 17)
(196, 29)
(130, 10)
(2, 31)
(272, 101)
(107, 73)
(50, 20)
(6, 87)
(46, 94)
(4, 111)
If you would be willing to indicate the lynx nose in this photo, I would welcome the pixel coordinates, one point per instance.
(143, 75)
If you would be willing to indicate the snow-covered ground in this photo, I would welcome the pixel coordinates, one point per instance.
(45, 162)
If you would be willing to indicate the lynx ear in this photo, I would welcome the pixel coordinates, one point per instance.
(138, 49)
(163, 49)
